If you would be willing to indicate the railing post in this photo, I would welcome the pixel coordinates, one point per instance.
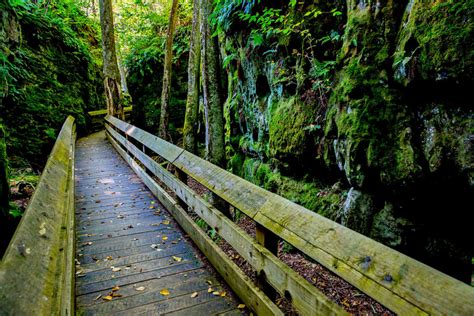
(184, 178)
(270, 241)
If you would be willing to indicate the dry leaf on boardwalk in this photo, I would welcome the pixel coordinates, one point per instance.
(165, 292)
(241, 306)
(140, 288)
(195, 294)
(107, 298)
(177, 259)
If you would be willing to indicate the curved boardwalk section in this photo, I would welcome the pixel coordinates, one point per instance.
(131, 257)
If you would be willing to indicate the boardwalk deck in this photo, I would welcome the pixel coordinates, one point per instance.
(126, 238)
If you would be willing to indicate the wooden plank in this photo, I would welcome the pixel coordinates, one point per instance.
(104, 111)
(35, 273)
(178, 284)
(141, 257)
(165, 306)
(306, 298)
(133, 269)
(212, 307)
(135, 278)
(395, 280)
(237, 280)
(68, 298)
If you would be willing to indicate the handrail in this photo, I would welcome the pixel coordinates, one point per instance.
(399, 282)
(37, 269)
(103, 112)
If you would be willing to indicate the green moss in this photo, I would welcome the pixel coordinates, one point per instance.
(288, 129)
(436, 42)
(236, 164)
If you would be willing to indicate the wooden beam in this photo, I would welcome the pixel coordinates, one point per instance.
(399, 282)
(37, 269)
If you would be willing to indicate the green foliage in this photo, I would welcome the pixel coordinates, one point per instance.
(52, 73)
(144, 62)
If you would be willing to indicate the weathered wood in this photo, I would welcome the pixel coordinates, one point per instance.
(125, 230)
(395, 280)
(178, 284)
(36, 270)
(306, 298)
(270, 241)
(237, 280)
(104, 112)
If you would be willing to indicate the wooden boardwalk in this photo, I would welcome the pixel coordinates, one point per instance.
(129, 250)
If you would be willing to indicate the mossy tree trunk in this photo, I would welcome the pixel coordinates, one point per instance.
(212, 90)
(4, 185)
(111, 70)
(213, 99)
(192, 101)
(166, 90)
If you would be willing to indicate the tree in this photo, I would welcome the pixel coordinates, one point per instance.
(4, 185)
(212, 89)
(192, 101)
(166, 90)
(111, 71)
(213, 99)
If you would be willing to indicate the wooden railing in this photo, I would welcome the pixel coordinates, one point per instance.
(402, 284)
(96, 118)
(37, 269)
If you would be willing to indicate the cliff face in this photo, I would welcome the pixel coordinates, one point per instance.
(47, 71)
(364, 117)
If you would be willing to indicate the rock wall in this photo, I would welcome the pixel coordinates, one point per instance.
(373, 128)
(47, 71)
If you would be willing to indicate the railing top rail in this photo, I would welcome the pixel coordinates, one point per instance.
(392, 278)
(104, 111)
(36, 275)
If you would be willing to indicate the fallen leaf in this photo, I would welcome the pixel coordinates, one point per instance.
(177, 259)
(223, 294)
(166, 222)
(241, 306)
(209, 282)
(195, 294)
(209, 290)
(109, 258)
(114, 294)
(141, 288)
(115, 288)
(107, 298)
(164, 238)
(98, 296)
(155, 224)
(165, 292)
(116, 269)
(216, 293)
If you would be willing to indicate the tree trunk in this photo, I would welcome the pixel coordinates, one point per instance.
(166, 90)
(111, 71)
(4, 185)
(212, 90)
(213, 100)
(192, 101)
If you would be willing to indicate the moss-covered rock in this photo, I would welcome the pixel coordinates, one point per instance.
(388, 228)
(435, 42)
(53, 73)
(289, 130)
